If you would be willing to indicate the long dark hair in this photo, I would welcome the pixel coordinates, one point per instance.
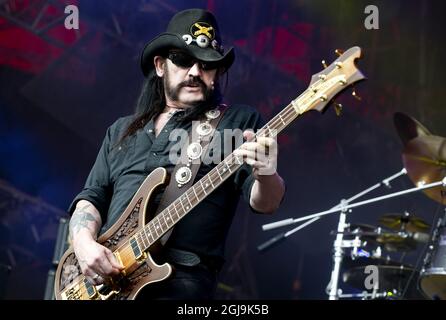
(152, 101)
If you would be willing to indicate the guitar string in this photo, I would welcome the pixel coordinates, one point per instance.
(287, 115)
(125, 250)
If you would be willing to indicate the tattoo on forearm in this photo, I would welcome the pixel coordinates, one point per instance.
(81, 219)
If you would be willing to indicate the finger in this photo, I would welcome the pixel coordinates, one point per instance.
(265, 141)
(261, 151)
(93, 278)
(253, 155)
(253, 146)
(103, 267)
(248, 134)
(269, 144)
(255, 164)
(113, 262)
(245, 154)
(98, 280)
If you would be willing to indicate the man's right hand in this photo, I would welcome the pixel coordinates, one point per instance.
(97, 262)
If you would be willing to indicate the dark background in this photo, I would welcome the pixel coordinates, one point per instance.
(60, 89)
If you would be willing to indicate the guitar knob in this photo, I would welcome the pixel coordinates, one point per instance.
(324, 64)
(338, 109)
(356, 96)
(339, 52)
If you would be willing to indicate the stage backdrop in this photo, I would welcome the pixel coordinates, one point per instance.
(60, 89)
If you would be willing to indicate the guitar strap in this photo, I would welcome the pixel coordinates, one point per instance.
(184, 173)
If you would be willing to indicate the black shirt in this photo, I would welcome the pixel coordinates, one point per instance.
(119, 170)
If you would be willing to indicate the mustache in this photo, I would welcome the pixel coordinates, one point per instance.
(193, 82)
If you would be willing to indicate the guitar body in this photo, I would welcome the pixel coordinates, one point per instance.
(70, 284)
(132, 238)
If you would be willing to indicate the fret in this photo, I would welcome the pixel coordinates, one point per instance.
(161, 224)
(227, 164)
(195, 193)
(218, 173)
(156, 226)
(204, 190)
(181, 202)
(270, 132)
(238, 160)
(142, 233)
(147, 237)
(175, 207)
(138, 239)
(186, 196)
(150, 232)
(164, 217)
(210, 181)
(169, 217)
(281, 119)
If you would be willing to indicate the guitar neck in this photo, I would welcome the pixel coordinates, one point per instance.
(167, 218)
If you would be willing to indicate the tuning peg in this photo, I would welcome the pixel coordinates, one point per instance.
(338, 109)
(324, 64)
(339, 52)
(355, 95)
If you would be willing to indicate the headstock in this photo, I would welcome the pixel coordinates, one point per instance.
(336, 77)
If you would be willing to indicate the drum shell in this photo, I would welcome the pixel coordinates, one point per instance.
(433, 274)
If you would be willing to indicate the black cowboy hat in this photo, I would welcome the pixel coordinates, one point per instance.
(196, 32)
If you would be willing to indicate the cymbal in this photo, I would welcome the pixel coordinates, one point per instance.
(389, 240)
(424, 158)
(404, 222)
(396, 242)
(408, 128)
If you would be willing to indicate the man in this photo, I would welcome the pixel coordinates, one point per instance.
(183, 68)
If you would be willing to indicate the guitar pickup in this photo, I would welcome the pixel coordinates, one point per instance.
(137, 252)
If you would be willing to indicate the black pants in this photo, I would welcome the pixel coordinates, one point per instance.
(186, 283)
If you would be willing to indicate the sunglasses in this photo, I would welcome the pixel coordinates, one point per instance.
(185, 61)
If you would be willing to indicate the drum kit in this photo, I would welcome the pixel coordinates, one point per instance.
(363, 245)
(364, 255)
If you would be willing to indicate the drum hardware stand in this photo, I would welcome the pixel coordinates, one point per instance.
(339, 244)
(291, 221)
(283, 235)
(338, 253)
(334, 293)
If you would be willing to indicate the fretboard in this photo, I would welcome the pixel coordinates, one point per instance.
(167, 218)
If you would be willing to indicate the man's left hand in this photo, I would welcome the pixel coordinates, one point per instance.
(261, 154)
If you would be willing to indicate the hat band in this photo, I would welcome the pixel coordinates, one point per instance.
(202, 41)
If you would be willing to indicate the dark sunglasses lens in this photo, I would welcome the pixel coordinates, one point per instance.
(207, 66)
(182, 60)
